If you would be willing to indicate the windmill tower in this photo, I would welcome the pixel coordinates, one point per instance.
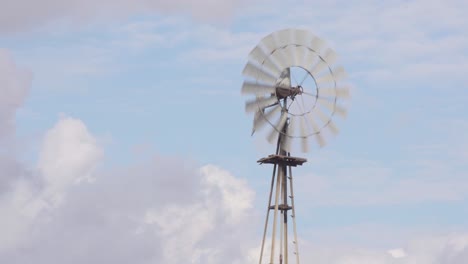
(298, 89)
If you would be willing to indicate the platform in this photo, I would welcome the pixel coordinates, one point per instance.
(285, 160)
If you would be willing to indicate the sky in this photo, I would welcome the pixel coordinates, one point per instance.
(123, 136)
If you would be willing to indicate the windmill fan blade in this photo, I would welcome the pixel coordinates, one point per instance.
(260, 103)
(281, 57)
(336, 75)
(342, 92)
(332, 107)
(274, 132)
(318, 136)
(320, 139)
(339, 92)
(318, 67)
(326, 121)
(309, 60)
(333, 128)
(268, 44)
(327, 92)
(321, 116)
(330, 56)
(257, 122)
(261, 119)
(289, 54)
(304, 135)
(312, 123)
(258, 73)
(304, 57)
(300, 55)
(259, 56)
(257, 89)
(301, 37)
(305, 144)
(283, 37)
(317, 44)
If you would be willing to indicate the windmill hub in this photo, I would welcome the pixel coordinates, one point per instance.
(282, 92)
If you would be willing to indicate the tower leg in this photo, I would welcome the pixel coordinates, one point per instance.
(285, 215)
(268, 214)
(275, 214)
(293, 209)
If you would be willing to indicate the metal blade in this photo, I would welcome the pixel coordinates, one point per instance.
(268, 44)
(290, 55)
(281, 57)
(283, 37)
(330, 56)
(257, 122)
(321, 116)
(305, 144)
(333, 128)
(318, 136)
(332, 107)
(343, 92)
(279, 126)
(318, 67)
(304, 57)
(258, 89)
(301, 37)
(320, 139)
(326, 121)
(272, 66)
(259, 103)
(339, 92)
(304, 135)
(259, 57)
(260, 118)
(258, 73)
(310, 120)
(299, 56)
(336, 75)
(317, 44)
(310, 60)
(327, 92)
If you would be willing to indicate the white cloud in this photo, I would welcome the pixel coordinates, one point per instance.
(69, 154)
(192, 232)
(397, 253)
(15, 83)
(163, 210)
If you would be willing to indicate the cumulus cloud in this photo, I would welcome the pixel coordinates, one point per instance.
(164, 210)
(14, 87)
(15, 83)
(69, 154)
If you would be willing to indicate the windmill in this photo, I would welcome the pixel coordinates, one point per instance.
(297, 91)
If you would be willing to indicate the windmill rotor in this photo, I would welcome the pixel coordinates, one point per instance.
(297, 89)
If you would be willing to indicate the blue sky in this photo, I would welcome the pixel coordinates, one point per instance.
(161, 82)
